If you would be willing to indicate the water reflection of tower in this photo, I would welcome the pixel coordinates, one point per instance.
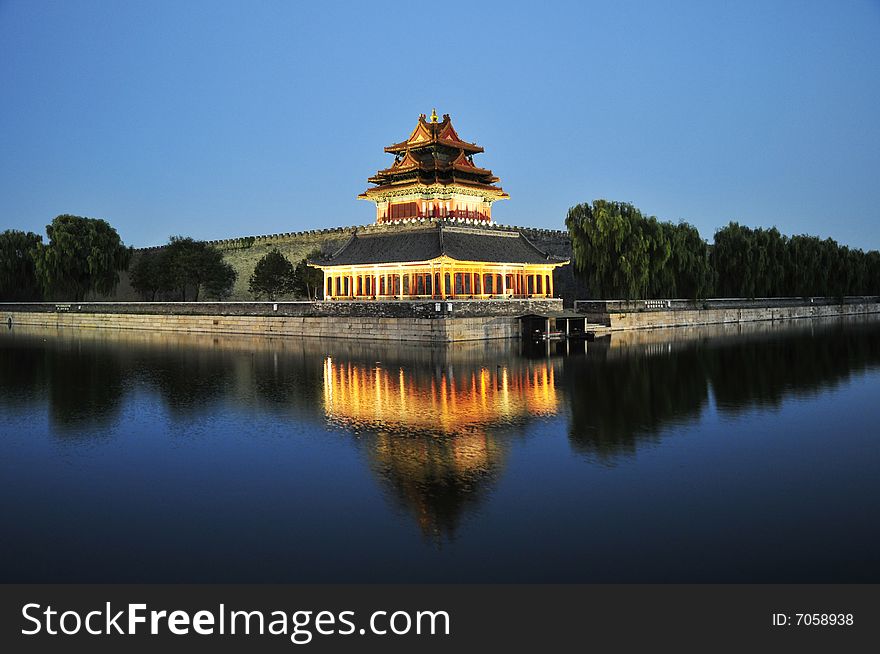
(437, 437)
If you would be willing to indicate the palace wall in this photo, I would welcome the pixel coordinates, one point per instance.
(244, 253)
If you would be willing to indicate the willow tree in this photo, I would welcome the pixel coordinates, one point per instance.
(621, 253)
(735, 261)
(688, 272)
(18, 276)
(608, 252)
(83, 255)
(764, 263)
(656, 237)
(872, 273)
(610, 249)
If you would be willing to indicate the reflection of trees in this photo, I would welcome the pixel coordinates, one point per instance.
(194, 374)
(434, 422)
(86, 385)
(23, 373)
(82, 383)
(84, 376)
(618, 401)
(621, 397)
(800, 361)
(189, 380)
(287, 379)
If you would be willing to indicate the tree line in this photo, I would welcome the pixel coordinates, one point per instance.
(274, 276)
(756, 262)
(85, 256)
(617, 251)
(621, 253)
(182, 270)
(184, 266)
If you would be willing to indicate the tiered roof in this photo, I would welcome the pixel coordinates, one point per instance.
(439, 240)
(434, 154)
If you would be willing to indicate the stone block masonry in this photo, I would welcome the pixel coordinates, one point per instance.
(427, 322)
(648, 314)
(423, 330)
(417, 321)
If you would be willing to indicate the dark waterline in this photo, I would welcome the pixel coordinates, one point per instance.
(745, 453)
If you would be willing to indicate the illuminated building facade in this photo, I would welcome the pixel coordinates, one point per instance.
(433, 176)
(437, 205)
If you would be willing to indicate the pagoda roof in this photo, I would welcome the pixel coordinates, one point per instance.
(432, 133)
(434, 154)
(436, 241)
(412, 161)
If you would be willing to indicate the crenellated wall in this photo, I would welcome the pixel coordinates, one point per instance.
(244, 253)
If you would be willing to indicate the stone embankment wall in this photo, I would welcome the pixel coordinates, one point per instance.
(420, 321)
(458, 320)
(426, 330)
(244, 253)
(647, 314)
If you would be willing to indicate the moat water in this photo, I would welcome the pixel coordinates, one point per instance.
(745, 453)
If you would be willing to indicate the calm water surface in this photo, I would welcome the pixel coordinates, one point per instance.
(738, 454)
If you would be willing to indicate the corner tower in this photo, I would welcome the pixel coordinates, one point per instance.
(433, 176)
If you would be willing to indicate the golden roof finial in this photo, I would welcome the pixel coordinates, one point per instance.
(433, 115)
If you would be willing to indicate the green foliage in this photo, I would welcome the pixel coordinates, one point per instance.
(184, 267)
(735, 261)
(763, 263)
(689, 272)
(273, 276)
(309, 281)
(219, 278)
(623, 254)
(83, 255)
(151, 275)
(609, 248)
(18, 275)
(196, 266)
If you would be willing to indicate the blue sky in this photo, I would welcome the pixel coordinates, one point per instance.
(220, 119)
